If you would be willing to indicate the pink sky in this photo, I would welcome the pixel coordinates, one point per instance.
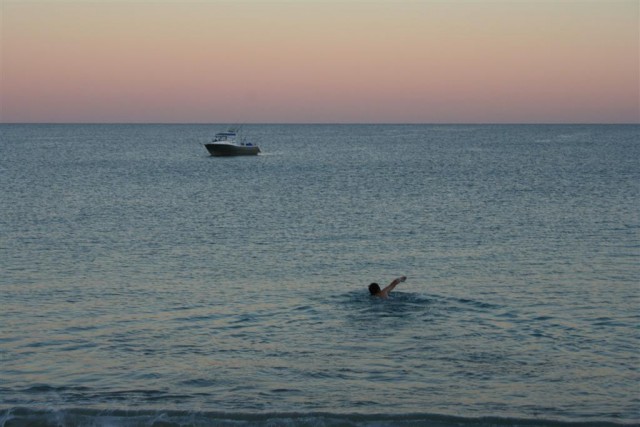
(309, 61)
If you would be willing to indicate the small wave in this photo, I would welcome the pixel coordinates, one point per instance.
(22, 417)
(399, 304)
(46, 388)
(363, 298)
(474, 304)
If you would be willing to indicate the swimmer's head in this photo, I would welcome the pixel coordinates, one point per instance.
(374, 288)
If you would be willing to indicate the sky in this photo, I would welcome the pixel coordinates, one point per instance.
(320, 61)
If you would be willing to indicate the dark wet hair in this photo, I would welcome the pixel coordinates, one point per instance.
(374, 288)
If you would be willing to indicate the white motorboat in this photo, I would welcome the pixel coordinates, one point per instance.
(228, 144)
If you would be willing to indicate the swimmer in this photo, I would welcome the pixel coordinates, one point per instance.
(374, 288)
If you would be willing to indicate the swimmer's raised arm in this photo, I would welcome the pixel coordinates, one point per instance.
(385, 292)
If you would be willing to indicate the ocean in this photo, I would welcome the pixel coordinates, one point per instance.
(144, 282)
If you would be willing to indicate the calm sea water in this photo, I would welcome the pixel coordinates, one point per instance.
(144, 282)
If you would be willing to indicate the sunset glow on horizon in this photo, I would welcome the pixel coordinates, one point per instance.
(320, 61)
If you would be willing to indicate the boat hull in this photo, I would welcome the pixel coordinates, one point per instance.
(231, 150)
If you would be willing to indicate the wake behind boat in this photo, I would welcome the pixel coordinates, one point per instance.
(227, 144)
